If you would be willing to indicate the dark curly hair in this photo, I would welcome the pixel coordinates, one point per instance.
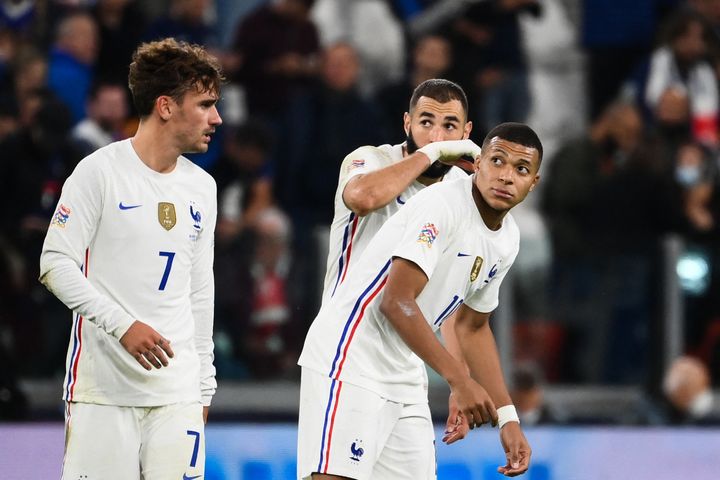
(170, 67)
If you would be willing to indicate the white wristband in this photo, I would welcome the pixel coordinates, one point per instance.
(432, 151)
(507, 414)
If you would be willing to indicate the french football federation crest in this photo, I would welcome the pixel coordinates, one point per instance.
(196, 217)
(476, 268)
(356, 450)
(166, 215)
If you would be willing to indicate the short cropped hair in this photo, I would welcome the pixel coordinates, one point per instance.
(516, 133)
(440, 90)
(170, 67)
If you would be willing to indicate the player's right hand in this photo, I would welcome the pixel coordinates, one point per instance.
(148, 347)
(460, 153)
(475, 403)
(456, 427)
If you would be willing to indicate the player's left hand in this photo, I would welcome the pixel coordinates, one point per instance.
(457, 426)
(517, 450)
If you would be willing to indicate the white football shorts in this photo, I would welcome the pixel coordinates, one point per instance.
(352, 432)
(133, 443)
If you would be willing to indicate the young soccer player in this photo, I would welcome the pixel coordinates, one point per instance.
(130, 252)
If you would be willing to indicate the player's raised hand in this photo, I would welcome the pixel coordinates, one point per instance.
(460, 153)
(517, 450)
(457, 426)
(147, 346)
(474, 403)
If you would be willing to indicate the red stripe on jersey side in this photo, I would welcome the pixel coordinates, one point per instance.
(349, 248)
(332, 424)
(354, 328)
(76, 360)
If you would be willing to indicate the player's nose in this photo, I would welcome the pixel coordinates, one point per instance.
(506, 174)
(215, 119)
(436, 135)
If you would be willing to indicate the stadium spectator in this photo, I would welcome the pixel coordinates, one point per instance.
(586, 207)
(677, 87)
(686, 396)
(121, 25)
(107, 118)
(613, 52)
(488, 37)
(322, 124)
(36, 160)
(264, 327)
(695, 175)
(527, 390)
(28, 74)
(277, 47)
(9, 116)
(185, 20)
(244, 177)
(72, 59)
(431, 58)
(372, 30)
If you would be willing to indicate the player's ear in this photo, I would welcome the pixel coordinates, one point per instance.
(467, 129)
(163, 106)
(536, 180)
(406, 123)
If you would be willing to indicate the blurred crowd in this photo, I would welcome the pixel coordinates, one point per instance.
(624, 94)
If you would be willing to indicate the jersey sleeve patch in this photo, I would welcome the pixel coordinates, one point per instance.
(356, 163)
(61, 216)
(428, 234)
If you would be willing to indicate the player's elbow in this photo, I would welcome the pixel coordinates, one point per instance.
(45, 269)
(52, 266)
(468, 321)
(387, 306)
(396, 307)
(362, 201)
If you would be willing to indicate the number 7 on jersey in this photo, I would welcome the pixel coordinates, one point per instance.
(168, 266)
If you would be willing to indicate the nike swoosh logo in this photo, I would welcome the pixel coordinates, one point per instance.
(185, 477)
(463, 254)
(400, 200)
(127, 207)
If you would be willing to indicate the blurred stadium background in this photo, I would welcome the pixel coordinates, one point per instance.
(620, 258)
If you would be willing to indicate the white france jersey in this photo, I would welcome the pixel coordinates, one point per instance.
(350, 234)
(127, 243)
(440, 230)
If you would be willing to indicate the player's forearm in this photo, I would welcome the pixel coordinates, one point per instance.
(202, 294)
(64, 279)
(205, 347)
(450, 339)
(205, 350)
(407, 319)
(374, 190)
(480, 351)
